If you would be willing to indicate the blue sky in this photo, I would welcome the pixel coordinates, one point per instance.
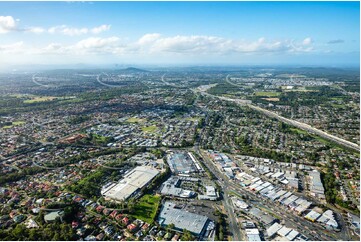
(302, 33)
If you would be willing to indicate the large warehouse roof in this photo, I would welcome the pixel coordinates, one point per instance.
(181, 219)
(134, 180)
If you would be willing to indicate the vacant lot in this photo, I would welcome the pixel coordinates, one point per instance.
(267, 94)
(40, 99)
(150, 129)
(271, 99)
(16, 123)
(146, 208)
(136, 120)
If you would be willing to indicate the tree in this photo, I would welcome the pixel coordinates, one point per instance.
(19, 231)
(170, 227)
(187, 236)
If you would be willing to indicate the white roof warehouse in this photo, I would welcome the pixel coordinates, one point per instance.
(181, 219)
(132, 182)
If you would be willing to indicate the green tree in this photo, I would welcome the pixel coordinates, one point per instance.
(187, 236)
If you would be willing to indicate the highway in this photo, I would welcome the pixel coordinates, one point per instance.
(271, 114)
(294, 123)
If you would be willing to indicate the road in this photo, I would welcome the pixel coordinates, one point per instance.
(294, 123)
(271, 114)
(233, 225)
(312, 230)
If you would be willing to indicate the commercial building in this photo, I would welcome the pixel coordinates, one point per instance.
(132, 182)
(171, 214)
(211, 194)
(239, 203)
(181, 163)
(253, 234)
(266, 219)
(316, 186)
(172, 188)
(272, 230)
(312, 216)
(328, 220)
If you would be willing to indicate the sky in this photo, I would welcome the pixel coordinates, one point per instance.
(177, 33)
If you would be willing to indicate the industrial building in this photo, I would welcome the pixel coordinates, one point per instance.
(266, 219)
(132, 182)
(316, 186)
(286, 234)
(253, 235)
(171, 214)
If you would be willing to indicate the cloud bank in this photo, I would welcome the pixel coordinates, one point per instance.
(9, 24)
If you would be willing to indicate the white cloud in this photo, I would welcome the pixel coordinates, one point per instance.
(7, 24)
(307, 41)
(92, 45)
(101, 28)
(199, 44)
(12, 48)
(155, 45)
(63, 29)
(148, 38)
(36, 30)
(95, 42)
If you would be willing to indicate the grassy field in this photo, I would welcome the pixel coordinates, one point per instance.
(299, 131)
(136, 120)
(146, 208)
(39, 99)
(150, 129)
(194, 119)
(267, 94)
(16, 123)
(271, 99)
(298, 89)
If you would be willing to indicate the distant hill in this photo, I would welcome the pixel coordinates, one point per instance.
(133, 69)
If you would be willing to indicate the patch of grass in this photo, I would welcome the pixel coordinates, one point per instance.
(136, 120)
(40, 99)
(16, 123)
(149, 129)
(146, 208)
(267, 94)
(99, 139)
(272, 99)
(299, 131)
(194, 119)
(235, 194)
